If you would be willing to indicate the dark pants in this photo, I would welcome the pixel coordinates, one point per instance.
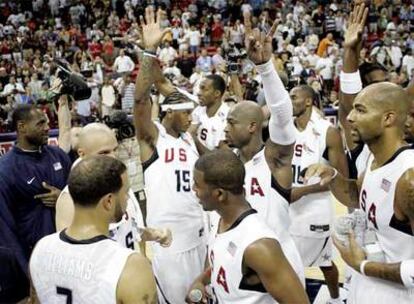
(14, 284)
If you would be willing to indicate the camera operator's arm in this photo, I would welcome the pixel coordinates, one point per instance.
(64, 121)
(236, 86)
(147, 132)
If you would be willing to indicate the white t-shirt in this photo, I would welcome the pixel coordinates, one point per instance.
(124, 64)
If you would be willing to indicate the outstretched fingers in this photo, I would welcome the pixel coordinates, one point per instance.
(272, 30)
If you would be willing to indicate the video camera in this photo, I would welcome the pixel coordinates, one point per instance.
(233, 55)
(119, 121)
(72, 83)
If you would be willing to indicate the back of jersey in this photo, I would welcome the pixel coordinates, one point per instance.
(64, 270)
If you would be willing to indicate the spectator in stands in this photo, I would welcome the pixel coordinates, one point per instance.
(123, 63)
(324, 44)
(167, 54)
(108, 97)
(127, 94)
(31, 176)
(204, 62)
(194, 38)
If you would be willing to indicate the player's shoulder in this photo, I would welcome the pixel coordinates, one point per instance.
(135, 263)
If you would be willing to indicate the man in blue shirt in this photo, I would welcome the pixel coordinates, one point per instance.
(31, 175)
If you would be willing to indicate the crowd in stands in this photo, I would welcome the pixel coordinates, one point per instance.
(100, 40)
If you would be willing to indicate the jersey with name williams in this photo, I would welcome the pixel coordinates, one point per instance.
(64, 270)
(171, 203)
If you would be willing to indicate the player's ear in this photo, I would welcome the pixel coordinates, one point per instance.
(252, 127)
(221, 194)
(169, 113)
(108, 201)
(81, 153)
(389, 118)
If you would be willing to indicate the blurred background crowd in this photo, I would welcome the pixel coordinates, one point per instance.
(100, 40)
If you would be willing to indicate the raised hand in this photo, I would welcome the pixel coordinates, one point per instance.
(258, 44)
(355, 27)
(152, 33)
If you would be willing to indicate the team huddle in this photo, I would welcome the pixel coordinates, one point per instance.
(232, 218)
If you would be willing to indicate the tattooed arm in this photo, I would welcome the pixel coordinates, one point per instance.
(146, 130)
(136, 284)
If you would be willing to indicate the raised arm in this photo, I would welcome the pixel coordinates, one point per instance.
(266, 259)
(64, 120)
(350, 79)
(279, 150)
(146, 130)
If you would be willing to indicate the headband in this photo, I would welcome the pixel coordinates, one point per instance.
(177, 106)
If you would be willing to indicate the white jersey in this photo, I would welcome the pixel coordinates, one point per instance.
(211, 129)
(171, 203)
(127, 231)
(359, 160)
(226, 251)
(64, 270)
(395, 238)
(267, 197)
(312, 214)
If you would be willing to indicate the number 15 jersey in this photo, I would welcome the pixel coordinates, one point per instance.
(171, 203)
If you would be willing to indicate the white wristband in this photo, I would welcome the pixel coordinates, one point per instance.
(149, 55)
(362, 267)
(407, 273)
(351, 83)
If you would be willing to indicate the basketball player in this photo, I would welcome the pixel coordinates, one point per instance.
(168, 155)
(99, 139)
(209, 118)
(81, 264)
(384, 193)
(312, 210)
(268, 167)
(247, 264)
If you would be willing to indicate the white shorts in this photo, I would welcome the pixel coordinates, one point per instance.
(314, 251)
(175, 273)
(367, 290)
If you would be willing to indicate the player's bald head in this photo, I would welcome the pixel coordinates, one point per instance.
(95, 137)
(386, 97)
(247, 112)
